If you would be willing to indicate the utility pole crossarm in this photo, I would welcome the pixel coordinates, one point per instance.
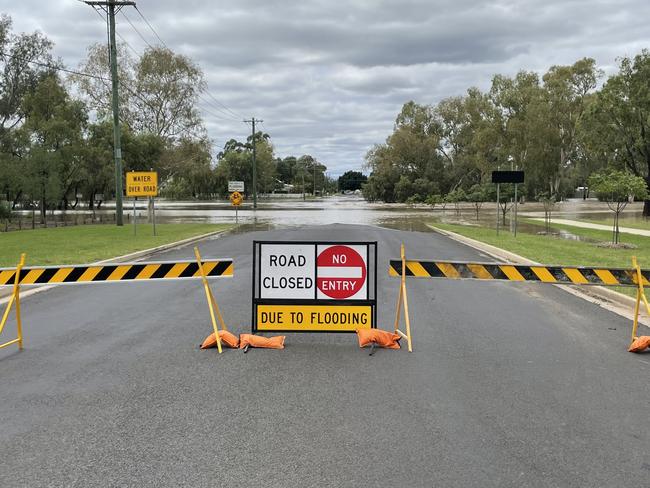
(117, 3)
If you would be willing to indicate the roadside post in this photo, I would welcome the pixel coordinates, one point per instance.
(309, 286)
(142, 184)
(236, 189)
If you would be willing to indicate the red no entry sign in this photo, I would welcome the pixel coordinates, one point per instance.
(342, 272)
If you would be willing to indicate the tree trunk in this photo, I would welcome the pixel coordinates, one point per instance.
(646, 208)
(43, 211)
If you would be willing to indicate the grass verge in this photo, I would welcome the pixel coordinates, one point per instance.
(555, 250)
(89, 243)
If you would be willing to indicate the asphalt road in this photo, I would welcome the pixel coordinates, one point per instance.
(509, 385)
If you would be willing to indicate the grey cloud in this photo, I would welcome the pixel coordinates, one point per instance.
(329, 77)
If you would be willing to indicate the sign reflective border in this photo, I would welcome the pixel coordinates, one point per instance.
(314, 286)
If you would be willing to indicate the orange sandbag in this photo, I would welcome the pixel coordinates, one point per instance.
(381, 338)
(640, 344)
(227, 339)
(251, 340)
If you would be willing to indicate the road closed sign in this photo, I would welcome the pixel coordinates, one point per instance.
(314, 286)
(287, 271)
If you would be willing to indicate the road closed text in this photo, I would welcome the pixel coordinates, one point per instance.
(314, 317)
(287, 271)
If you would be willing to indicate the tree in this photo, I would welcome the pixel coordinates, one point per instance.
(618, 120)
(548, 201)
(456, 196)
(478, 195)
(617, 188)
(51, 137)
(411, 152)
(18, 73)
(352, 180)
(167, 86)
(235, 162)
(5, 213)
(566, 90)
(96, 90)
(158, 92)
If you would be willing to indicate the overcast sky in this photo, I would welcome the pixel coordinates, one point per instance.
(329, 77)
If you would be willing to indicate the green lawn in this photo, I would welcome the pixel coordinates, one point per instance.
(555, 250)
(88, 243)
(631, 223)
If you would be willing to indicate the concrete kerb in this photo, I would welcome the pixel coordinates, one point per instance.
(5, 292)
(608, 299)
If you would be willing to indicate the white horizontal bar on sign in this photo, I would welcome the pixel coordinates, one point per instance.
(339, 272)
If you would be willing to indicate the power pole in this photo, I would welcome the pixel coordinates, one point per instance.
(252, 121)
(109, 6)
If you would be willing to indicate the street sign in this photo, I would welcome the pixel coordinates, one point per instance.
(507, 176)
(342, 272)
(236, 198)
(141, 184)
(314, 286)
(235, 186)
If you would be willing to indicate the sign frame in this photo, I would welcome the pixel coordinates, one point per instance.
(371, 286)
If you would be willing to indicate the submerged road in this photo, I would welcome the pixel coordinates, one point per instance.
(509, 385)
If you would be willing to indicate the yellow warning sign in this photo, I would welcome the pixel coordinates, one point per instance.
(142, 184)
(315, 318)
(236, 198)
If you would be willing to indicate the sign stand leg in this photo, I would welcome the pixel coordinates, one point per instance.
(210, 299)
(15, 298)
(153, 214)
(134, 229)
(403, 298)
(640, 295)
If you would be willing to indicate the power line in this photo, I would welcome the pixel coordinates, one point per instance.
(231, 112)
(137, 53)
(135, 29)
(55, 67)
(150, 27)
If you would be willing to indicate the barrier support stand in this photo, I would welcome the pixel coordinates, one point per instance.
(402, 298)
(15, 298)
(212, 303)
(640, 295)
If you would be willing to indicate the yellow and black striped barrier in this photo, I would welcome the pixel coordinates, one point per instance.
(166, 270)
(562, 275)
(113, 273)
(558, 275)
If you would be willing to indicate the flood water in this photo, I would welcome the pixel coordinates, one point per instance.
(289, 211)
